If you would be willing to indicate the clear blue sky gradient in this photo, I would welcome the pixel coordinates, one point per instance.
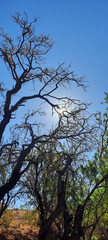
(80, 31)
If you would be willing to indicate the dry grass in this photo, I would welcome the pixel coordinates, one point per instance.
(19, 224)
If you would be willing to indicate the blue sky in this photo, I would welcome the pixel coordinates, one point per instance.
(80, 31)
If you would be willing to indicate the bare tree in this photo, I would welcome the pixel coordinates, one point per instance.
(23, 59)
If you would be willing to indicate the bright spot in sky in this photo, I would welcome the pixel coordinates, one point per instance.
(61, 111)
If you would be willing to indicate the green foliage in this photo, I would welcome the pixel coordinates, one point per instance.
(82, 177)
(31, 217)
(6, 219)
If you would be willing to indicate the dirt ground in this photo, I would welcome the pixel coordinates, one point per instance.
(15, 225)
(16, 235)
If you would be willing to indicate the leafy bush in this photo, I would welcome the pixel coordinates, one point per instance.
(6, 219)
(31, 217)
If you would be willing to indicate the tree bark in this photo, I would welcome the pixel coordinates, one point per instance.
(44, 231)
(67, 223)
(78, 231)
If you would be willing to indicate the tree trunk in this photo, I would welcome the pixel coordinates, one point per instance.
(45, 231)
(67, 223)
(78, 230)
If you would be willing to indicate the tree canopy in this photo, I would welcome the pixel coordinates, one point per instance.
(50, 166)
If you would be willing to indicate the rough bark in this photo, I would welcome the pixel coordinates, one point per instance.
(67, 223)
(45, 230)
